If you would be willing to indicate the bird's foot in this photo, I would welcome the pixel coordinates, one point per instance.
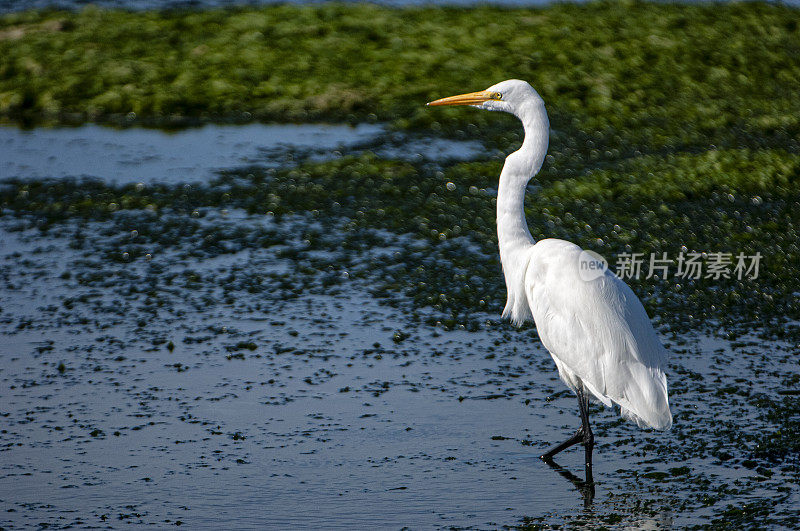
(575, 439)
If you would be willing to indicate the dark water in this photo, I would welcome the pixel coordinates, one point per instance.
(149, 377)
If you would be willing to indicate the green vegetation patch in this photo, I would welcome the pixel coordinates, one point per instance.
(641, 74)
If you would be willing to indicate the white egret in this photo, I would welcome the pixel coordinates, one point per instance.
(590, 321)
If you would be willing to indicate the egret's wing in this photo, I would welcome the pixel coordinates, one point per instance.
(598, 331)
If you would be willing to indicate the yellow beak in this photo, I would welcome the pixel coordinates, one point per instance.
(472, 98)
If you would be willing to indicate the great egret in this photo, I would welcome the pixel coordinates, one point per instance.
(589, 320)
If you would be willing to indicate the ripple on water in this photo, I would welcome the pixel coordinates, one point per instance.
(226, 390)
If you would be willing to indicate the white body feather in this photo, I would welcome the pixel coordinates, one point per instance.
(596, 330)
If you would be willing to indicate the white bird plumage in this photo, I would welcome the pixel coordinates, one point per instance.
(595, 328)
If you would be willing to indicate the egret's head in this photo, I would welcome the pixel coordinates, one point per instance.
(508, 96)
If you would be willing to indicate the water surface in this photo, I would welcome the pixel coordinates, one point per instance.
(269, 387)
(133, 155)
(192, 363)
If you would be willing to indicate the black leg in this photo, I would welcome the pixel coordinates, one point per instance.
(575, 439)
(583, 435)
(588, 436)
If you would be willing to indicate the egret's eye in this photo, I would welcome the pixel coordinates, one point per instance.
(497, 96)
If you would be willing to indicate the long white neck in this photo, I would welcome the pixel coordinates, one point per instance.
(513, 236)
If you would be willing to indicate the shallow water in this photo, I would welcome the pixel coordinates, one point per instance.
(354, 457)
(133, 155)
(204, 366)
(231, 389)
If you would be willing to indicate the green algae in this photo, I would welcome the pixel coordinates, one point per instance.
(354, 194)
(641, 74)
(754, 174)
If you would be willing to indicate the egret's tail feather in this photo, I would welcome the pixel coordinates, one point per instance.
(662, 422)
(646, 401)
